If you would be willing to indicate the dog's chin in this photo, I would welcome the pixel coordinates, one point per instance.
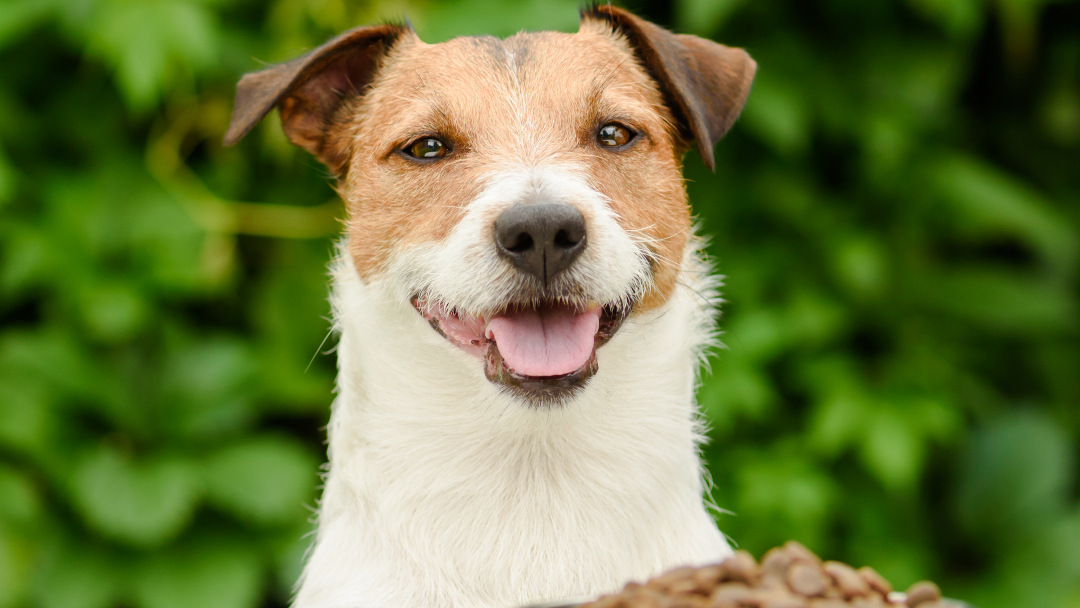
(548, 348)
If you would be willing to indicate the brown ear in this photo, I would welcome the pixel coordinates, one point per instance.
(309, 89)
(704, 83)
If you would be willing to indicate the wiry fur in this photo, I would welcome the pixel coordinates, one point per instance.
(444, 491)
(447, 489)
(613, 270)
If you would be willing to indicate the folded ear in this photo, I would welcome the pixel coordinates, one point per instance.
(704, 83)
(309, 89)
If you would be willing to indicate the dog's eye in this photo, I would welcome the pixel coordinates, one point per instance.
(614, 135)
(426, 148)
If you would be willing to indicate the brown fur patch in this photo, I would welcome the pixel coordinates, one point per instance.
(534, 98)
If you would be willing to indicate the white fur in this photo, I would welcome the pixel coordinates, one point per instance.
(466, 271)
(445, 491)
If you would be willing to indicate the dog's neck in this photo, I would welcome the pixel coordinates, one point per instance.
(444, 490)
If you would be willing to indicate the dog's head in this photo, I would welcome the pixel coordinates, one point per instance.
(526, 194)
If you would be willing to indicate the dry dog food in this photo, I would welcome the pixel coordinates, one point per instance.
(787, 577)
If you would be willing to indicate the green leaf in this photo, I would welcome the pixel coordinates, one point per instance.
(703, 17)
(960, 18)
(26, 261)
(786, 493)
(735, 390)
(813, 319)
(1016, 480)
(1000, 300)
(113, 310)
(206, 574)
(758, 335)
(892, 450)
(837, 422)
(141, 501)
(27, 420)
(265, 480)
(18, 17)
(861, 265)
(147, 43)
(990, 202)
(22, 512)
(778, 114)
(289, 313)
(209, 385)
(78, 576)
(14, 563)
(50, 356)
(22, 503)
(8, 179)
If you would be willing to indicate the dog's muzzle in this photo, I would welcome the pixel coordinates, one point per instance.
(541, 344)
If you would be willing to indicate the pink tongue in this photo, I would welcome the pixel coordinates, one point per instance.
(549, 342)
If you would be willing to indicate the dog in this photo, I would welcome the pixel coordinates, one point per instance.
(521, 303)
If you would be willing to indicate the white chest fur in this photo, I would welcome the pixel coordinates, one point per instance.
(445, 492)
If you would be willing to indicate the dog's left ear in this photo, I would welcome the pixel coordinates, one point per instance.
(309, 90)
(704, 83)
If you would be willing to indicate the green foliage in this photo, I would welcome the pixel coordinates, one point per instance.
(896, 214)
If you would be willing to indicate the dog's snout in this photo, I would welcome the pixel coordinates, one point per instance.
(542, 239)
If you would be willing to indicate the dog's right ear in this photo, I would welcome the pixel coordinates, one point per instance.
(309, 89)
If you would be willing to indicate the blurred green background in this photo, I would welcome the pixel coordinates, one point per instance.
(897, 213)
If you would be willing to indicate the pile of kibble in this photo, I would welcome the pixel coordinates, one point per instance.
(787, 577)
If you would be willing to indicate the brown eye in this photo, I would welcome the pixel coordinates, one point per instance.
(426, 148)
(613, 135)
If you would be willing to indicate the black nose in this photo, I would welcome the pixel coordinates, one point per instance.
(541, 239)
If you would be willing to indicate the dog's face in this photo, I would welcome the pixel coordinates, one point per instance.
(523, 195)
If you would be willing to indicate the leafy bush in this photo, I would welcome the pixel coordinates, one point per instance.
(896, 213)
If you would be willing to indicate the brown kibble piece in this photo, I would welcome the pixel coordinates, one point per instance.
(807, 579)
(788, 577)
(731, 594)
(683, 586)
(688, 601)
(741, 567)
(776, 562)
(665, 580)
(846, 579)
(923, 592)
(772, 581)
(800, 553)
(648, 598)
(707, 578)
(609, 601)
(875, 580)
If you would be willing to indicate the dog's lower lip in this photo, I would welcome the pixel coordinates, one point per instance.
(535, 388)
(543, 389)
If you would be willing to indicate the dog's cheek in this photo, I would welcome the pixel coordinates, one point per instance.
(391, 204)
(648, 197)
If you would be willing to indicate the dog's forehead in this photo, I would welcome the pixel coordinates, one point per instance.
(583, 56)
(532, 53)
(546, 78)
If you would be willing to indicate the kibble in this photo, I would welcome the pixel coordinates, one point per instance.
(847, 580)
(787, 577)
(923, 593)
(807, 580)
(875, 580)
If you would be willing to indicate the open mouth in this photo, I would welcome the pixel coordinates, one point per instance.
(544, 351)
